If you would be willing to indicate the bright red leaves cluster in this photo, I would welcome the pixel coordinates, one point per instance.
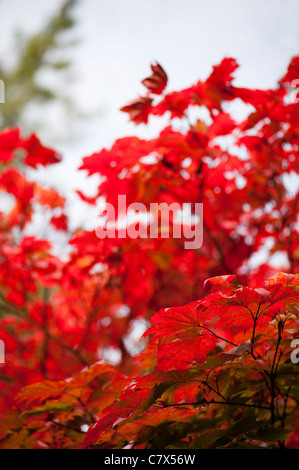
(214, 367)
(31, 151)
(208, 354)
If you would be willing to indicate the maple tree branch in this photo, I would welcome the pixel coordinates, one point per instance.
(284, 414)
(90, 316)
(45, 345)
(218, 247)
(65, 426)
(273, 373)
(216, 402)
(216, 391)
(55, 339)
(217, 336)
(90, 415)
(255, 318)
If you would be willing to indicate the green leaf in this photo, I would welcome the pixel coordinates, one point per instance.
(218, 361)
(157, 392)
(55, 406)
(270, 435)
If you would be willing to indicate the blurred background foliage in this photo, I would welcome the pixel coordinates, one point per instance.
(41, 55)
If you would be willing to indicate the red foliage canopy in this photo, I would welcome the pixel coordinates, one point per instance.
(216, 370)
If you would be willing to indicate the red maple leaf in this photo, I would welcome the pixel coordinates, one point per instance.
(157, 81)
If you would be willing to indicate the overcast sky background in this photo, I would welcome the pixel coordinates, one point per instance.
(117, 40)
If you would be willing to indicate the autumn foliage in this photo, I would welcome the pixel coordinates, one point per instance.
(213, 368)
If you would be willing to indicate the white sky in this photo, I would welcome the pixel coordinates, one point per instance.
(117, 39)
